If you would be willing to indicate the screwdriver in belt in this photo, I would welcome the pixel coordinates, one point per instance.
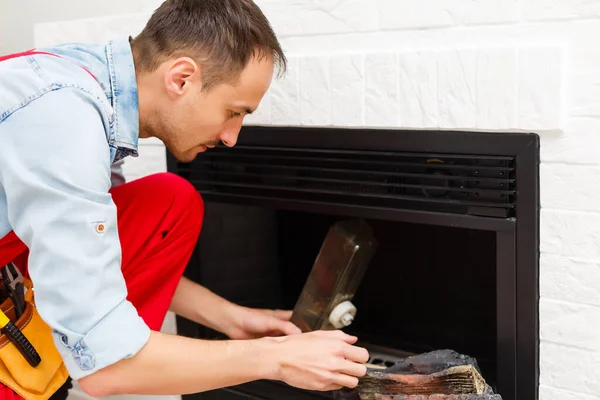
(19, 340)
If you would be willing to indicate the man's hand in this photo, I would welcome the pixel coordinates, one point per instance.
(250, 323)
(198, 304)
(321, 360)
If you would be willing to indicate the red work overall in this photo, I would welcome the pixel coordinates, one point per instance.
(159, 221)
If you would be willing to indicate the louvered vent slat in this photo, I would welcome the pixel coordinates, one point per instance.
(465, 184)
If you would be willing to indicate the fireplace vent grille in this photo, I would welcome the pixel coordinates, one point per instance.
(453, 183)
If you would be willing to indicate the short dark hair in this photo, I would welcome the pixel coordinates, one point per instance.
(222, 35)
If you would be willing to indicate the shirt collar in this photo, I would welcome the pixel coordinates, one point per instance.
(123, 86)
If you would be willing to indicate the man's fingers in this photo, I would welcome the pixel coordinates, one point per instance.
(332, 387)
(345, 380)
(356, 354)
(346, 337)
(289, 328)
(353, 369)
(285, 327)
(350, 339)
(284, 315)
(337, 334)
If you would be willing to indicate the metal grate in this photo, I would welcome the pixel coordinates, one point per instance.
(454, 183)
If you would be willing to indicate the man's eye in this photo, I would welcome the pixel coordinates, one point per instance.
(235, 114)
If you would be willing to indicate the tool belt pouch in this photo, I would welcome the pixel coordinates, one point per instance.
(31, 383)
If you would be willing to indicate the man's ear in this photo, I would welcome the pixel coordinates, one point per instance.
(180, 74)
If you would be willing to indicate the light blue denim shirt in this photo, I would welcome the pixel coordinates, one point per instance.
(61, 131)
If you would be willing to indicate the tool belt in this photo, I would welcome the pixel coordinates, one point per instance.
(48, 372)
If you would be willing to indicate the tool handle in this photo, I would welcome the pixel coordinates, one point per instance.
(19, 299)
(22, 343)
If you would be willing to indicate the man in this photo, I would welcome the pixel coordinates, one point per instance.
(106, 258)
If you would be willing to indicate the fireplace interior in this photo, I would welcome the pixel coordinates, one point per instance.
(455, 215)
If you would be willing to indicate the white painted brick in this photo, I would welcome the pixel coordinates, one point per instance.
(305, 17)
(284, 92)
(395, 14)
(562, 323)
(401, 14)
(262, 115)
(584, 92)
(382, 90)
(457, 89)
(569, 368)
(347, 89)
(497, 88)
(569, 279)
(570, 233)
(418, 89)
(579, 143)
(91, 30)
(559, 9)
(577, 37)
(551, 393)
(540, 87)
(315, 91)
(570, 187)
(580, 36)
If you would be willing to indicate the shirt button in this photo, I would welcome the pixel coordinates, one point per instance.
(100, 228)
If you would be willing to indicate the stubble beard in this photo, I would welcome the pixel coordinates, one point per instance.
(159, 130)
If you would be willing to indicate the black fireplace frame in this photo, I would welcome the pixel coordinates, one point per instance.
(517, 288)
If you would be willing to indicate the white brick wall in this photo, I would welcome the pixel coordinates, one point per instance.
(457, 64)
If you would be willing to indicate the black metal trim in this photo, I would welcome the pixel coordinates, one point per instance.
(491, 143)
(421, 217)
(506, 315)
(528, 264)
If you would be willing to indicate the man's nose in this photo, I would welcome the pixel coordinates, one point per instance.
(229, 135)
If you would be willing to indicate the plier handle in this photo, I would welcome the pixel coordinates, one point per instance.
(15, 286)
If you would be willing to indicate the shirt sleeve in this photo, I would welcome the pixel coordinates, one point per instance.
(55, 168)
(117, 177)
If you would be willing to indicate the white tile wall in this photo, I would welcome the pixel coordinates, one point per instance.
(513, 65)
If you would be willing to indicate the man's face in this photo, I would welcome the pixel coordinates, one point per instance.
(189, 120)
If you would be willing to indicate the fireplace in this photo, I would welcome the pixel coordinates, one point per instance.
(455, 214)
